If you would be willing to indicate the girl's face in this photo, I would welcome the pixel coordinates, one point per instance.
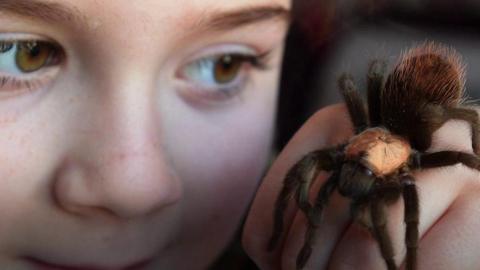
(132, 133)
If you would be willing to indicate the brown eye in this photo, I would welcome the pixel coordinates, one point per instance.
(33, 55)
(219, 76)
(227, 67)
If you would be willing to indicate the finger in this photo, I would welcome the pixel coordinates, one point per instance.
(437, 191)
(336, 218)
(328, 126)
(454, 241)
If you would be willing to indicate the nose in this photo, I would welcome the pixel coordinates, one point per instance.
(116, 164)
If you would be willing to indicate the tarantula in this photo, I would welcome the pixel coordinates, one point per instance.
(392, 134)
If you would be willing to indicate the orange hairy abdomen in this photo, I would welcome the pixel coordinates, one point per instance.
(427, 75)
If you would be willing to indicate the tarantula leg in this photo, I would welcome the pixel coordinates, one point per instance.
(375, 81)
(357, 207)
(314, 218)
(379, 222)
(355, 104)
(298, 180)
(410, 198)
(445, 158)
(436, 116)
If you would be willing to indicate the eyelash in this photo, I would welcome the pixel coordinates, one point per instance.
(246, 61)
(29, 84)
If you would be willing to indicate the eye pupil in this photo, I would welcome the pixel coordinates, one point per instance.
(34, 51)
(226, 68)
(32, 56)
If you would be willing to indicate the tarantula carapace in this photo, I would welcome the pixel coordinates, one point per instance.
(392, 134)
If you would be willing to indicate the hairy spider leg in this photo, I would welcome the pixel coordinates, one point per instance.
(315, 217)
(379, 223)
(356, 207)
(386, 192)
(434, 116)
(355, 104)
(375, 83)
(298, 180)
(445, 158)
(410, 196)
(411, 219)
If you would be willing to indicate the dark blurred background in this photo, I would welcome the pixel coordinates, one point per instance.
(328, 37)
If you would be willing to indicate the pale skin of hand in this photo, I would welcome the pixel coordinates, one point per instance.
(449, 209)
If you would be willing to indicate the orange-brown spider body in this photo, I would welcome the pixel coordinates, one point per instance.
(378, 150)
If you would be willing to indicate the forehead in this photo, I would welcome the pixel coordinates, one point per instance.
(153, 16)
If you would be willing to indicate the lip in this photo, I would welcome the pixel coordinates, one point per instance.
(43, 265)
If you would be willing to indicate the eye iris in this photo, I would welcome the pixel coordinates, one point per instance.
(32, 56)
(226, 68)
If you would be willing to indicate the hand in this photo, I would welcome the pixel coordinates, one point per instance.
(449, 209)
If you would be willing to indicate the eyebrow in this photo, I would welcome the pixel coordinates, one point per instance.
(238, 18)
(46, 11)
(220, 21)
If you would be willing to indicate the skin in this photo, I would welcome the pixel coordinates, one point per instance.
(449, 203)
(115, 161)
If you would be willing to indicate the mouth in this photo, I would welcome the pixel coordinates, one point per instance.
(39, 264)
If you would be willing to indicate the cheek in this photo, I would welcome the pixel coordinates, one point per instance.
(220, 178)
(220, 156)
(227, 171)
(220, 167)
(26, 159)
(220, 164)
